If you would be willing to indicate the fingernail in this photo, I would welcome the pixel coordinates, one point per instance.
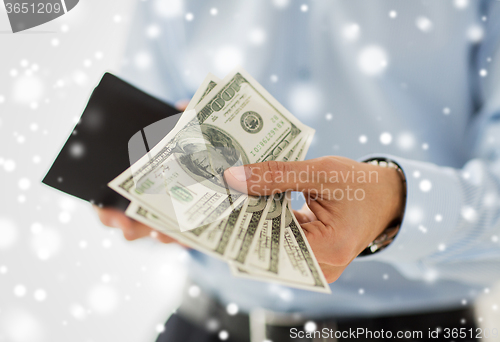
(241, 173)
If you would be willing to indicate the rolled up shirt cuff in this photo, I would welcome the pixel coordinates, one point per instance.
(432, 210)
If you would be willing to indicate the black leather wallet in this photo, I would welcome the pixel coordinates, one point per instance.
(99, 148)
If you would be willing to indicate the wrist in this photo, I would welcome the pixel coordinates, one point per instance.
(397, 184)
(393, 191)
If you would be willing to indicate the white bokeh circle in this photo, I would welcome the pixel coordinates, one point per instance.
(103, 299)
(372, 60)
(8, 233)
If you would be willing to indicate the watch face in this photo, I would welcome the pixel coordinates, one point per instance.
(101, 147)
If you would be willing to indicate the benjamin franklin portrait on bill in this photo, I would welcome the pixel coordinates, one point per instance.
(205, 152)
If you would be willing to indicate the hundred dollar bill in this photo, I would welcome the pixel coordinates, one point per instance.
(234, 235)
(215, 238)
(251, 220)
(297, 265)
(288, 155)
(252, 213)
(140, 213)
(226, 226)
(265, 251)
(209, 83)
(263, 260)
(187, 165)
(206, 87)
(263, 255)
(306, 143)
(209, 239)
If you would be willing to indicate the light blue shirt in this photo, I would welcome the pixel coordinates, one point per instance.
(418, 81)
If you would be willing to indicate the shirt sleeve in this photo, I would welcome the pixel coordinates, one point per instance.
(152, 58)
(451, 223)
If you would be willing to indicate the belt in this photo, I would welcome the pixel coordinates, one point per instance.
(263, 325)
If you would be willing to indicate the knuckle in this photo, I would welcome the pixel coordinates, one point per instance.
(129, 235)
(275, 169)
(343, 257)
(105, 221)
(104, 217)
(327, 163)
(331, 278)
(331, 274)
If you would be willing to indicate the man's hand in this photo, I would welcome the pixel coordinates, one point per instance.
(348, 204)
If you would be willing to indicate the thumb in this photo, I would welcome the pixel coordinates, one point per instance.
(271, 177)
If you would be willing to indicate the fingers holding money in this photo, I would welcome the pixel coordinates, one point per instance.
(319, 237)
(328, 244)
(305, 215)
(204, 215)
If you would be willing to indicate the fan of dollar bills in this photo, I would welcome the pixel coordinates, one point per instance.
(178, 187)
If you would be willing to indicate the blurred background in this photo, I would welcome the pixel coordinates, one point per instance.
(64, 276)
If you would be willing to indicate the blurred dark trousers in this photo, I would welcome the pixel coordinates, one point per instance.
(452, 325)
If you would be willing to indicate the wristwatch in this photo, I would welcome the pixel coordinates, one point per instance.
(388, 235)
